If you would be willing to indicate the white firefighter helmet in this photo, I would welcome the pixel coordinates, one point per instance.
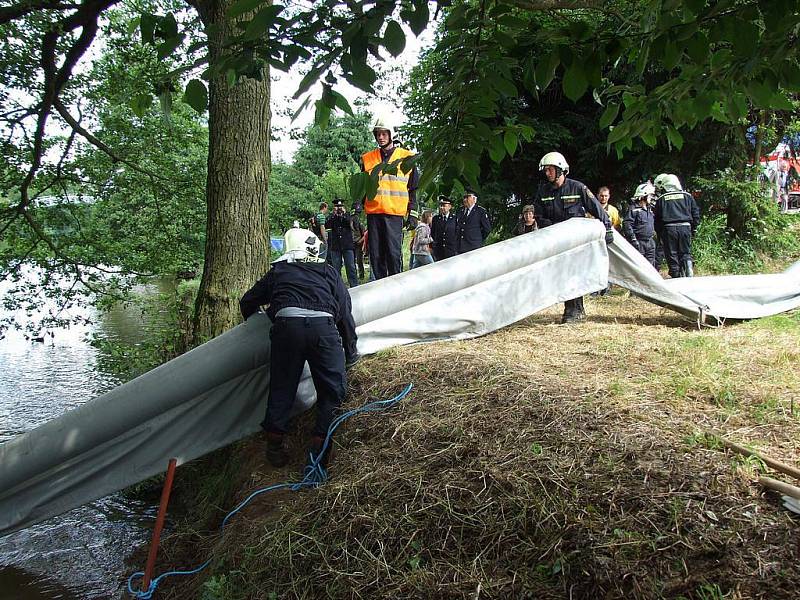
(667, 182)
(554, 159)
(382, 122)
(644, 189)
(301, 245)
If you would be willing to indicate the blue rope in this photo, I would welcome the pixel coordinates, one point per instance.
(314, 476)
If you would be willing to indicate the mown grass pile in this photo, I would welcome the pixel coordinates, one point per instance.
(542, 461)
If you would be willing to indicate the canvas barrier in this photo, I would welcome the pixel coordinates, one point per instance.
(216, 394)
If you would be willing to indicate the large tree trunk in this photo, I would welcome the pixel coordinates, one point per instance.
(237, 237)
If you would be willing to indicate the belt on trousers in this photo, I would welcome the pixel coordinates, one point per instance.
(677, 224)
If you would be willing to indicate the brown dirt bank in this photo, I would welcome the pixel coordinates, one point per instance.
(541, 461)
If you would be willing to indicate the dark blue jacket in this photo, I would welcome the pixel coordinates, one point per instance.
(572, 199)
(313, 286)
(472, 230)
(340, 232)
(444, 234)
(677, 207)
(639, 224)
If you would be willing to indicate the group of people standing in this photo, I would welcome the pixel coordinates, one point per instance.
(310, 308)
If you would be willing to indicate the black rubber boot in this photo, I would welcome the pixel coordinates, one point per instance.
(276, 453)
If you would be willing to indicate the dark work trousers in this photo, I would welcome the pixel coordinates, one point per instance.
(295, 340)
(359, 259)
(385, 242)
(574, 306)
(677, 247)
(335, 258)
(660, 258)
(440, 253)
(647, 248)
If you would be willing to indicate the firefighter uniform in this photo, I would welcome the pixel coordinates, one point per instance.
(572, 200)
(676, 219)
(445, 236)
(396, 196)
(472, 228)
(639, 228)
(312, 322)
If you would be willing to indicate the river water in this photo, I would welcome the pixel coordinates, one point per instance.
(81, 554)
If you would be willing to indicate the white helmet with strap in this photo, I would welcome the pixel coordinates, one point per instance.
(301, 245)
(667, 182)
(644, 189)
(554, 159)
(382, 123)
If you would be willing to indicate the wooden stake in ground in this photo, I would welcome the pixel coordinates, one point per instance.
(770, 462)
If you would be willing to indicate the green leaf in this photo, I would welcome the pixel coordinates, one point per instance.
(241, 7)
(618, 133)
(575, 82)
(341, 103)
(322, 115)
(649, 138)
(133, 25)
(167, 27)
(168, 46)
(497, 150)
(394, 40)
(418, 20)
(358, 186)
(790, 76)
(505, 87)
(308, 80)
(147, 25)
(697, 48)
(510, 141)
(261, 22)
(672, 54)
(674, 137)
(546, 70)
(609, 114)
(140, 103)
(363, 76)
(196, 95)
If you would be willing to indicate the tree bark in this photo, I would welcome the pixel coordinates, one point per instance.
(237, 232)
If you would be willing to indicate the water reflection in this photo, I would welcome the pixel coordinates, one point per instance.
(80, 554)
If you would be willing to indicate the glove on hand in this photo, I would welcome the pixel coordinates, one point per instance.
(411, 223)
(636, 245)
(609, 236)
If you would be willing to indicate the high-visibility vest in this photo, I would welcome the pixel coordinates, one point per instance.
(392, 195)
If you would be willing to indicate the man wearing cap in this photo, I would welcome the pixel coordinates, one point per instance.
(472, 224)
(340, 242)
(443, 231)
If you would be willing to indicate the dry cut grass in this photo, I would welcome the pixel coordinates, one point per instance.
(546, 461)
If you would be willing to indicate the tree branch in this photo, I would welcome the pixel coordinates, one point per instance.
(16, 11)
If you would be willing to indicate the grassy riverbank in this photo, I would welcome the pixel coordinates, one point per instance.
(539, 461)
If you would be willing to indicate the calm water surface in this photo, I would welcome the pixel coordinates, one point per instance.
(80, 554)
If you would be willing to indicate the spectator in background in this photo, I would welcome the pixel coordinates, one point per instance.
(604, 196)
(421, 248)
(472, 224)
(340, 243)
(527, 221)
(359, 232)
(443, 231)
(318, 222)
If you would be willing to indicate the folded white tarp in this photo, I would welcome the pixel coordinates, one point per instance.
(215, 394)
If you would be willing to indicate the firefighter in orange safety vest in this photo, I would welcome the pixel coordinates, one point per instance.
(394, 201)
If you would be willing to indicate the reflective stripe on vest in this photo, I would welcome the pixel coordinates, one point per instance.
(392, 195)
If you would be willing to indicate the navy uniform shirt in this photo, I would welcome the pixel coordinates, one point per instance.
(473, 229)
(639, 224)
(572, 199)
